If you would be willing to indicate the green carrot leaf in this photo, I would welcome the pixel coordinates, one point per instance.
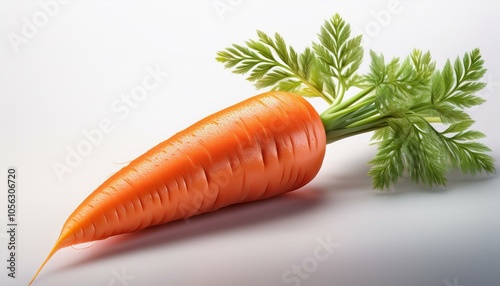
(402, 100)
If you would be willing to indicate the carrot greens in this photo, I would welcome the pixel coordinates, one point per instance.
(402, 100)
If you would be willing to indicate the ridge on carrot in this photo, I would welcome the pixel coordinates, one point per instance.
(275, 142)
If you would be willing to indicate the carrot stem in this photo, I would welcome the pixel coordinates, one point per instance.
(336, 135)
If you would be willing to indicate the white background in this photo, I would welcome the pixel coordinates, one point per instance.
(64, 78)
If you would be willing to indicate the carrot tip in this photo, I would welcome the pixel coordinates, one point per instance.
(54, 249)
(60, 243)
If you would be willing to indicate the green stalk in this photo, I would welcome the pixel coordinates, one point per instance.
(361, 114)
(336, 135)
(365, 121)
(348, 102)
(334, 119)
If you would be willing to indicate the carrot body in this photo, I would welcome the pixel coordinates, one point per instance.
(259, 148)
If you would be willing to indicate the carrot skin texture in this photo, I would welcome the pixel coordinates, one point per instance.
(256, 149)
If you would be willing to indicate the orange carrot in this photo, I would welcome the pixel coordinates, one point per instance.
(259, 148)
(275, 142)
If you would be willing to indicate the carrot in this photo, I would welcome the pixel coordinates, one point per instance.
(259, 148)
(275, 142)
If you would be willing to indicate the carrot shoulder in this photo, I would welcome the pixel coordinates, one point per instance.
(259, 148)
